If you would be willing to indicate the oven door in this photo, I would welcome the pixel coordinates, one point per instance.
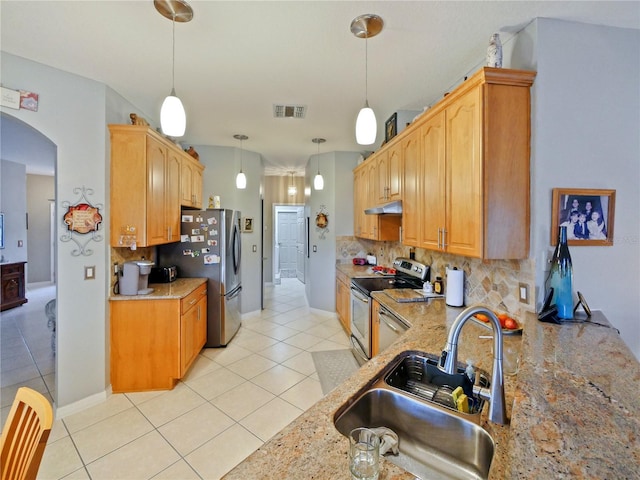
(360, 325)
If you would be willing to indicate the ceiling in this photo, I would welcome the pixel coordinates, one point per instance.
(236, 59)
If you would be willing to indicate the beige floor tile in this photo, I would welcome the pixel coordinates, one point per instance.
(113, 405)
(143, 458)
(81, 474)
(229, 354)
(278, 379)
(58, 431)
(106, 436)
(324, 330)
(140, 397)
(171, 404)
(218, 456)
(195, 428)
(254, 341)
(270, 418)
(215, 383)
(303, 363)
(304, 394)
(251, 366)
(325, 345)
(202, 365)
(279, 352)
(60, 458)
(242, 400)
(341, 338)
(303, 340)
(180, 470)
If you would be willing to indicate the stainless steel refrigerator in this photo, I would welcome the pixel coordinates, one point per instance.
(210, 247)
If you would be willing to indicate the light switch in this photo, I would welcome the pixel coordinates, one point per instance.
(90, 272)
(254, 248)
(523, 293)
(315, 248)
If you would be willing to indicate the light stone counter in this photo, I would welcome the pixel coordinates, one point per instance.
(573, 404)
(180, 288)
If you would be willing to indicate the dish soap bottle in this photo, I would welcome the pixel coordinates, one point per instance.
(561, 276)
(437, 286)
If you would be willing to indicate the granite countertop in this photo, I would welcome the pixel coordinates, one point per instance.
(573, 403)
(180, 288)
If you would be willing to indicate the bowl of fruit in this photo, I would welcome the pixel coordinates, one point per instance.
(509, 324)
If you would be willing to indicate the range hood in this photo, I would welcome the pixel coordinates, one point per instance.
(387, 208)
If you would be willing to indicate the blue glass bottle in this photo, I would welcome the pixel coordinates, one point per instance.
(562, 277)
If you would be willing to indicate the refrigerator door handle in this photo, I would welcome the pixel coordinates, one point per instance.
(235, 242)
(234, 293)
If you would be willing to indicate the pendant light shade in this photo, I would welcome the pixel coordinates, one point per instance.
(241, 178)
(173, 118)
(318, 181)
(292, 190)
(366, 26)
(366, 126)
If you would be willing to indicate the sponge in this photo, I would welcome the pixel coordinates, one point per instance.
(456, 394)
(463, 403)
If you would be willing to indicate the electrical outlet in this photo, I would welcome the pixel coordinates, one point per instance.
(523, 293)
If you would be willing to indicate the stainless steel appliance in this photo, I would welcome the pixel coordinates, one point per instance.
(134, 279)
(210, 247)
(163, 274)
(408, 274)
(390, 328)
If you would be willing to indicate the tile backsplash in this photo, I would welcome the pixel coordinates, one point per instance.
(494, 283)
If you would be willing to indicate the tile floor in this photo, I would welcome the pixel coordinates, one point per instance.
(231, 401)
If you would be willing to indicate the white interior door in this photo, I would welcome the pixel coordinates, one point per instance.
(300, 234)
(287, 239)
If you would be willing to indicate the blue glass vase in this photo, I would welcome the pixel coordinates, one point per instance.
(562, 277)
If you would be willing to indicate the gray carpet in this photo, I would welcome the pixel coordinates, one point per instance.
(333, 367)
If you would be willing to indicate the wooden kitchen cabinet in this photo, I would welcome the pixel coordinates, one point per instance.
(145, 187)
(472, 162)
(373, 227)
(191, 182)
(343, 300)
(154, 341)
(12, 290)
(388, 178)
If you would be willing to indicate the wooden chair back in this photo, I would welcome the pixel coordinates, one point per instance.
(25, 435)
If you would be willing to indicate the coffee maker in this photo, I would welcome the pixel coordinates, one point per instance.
(135, 278)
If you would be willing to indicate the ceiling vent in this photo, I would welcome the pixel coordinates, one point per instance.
(289, 111)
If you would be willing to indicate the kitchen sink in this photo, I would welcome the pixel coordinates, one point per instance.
(435, 442)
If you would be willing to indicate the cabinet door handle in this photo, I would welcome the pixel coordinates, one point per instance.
(444, 239)
(193, 301)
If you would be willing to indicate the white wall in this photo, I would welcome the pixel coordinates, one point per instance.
(337, 198)
(13, 203)
(222, 164)
(586, 134)
(40, 192)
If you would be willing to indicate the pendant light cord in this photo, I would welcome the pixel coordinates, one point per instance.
(366, 68)
(173, 61)
(240, 155)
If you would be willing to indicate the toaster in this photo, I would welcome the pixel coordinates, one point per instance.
(163, 274)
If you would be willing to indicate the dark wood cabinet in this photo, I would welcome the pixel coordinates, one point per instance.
(13, 288)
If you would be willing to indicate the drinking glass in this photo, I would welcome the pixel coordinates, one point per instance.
(364, 454)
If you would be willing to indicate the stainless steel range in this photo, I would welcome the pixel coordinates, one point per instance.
(408, 274)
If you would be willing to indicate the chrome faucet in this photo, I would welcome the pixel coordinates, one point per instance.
(449, 360)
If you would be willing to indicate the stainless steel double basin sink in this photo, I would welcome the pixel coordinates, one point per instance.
(435, 441)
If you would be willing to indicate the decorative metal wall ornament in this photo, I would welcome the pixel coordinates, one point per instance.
(82, 218)
(322, 221)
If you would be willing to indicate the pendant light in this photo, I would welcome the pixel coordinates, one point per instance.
(318, 181)
(366, 26)
(173, 119)
(292, 190)
(241, 178)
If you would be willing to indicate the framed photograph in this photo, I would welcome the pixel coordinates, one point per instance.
(247, 224)
(391, 127)
(588, 215)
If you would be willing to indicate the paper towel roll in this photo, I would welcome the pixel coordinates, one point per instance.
(455, 288)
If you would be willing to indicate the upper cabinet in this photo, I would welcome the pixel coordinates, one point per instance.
(146, 183)
(465, 165)
(191, 183)
(388, 179)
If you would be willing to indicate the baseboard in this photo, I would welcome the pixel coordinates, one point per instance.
(80, 405)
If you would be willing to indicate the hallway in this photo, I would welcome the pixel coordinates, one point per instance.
(231, 401)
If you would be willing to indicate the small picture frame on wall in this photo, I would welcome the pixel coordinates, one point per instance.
(247, 224)
(391, 127)
(588, 215)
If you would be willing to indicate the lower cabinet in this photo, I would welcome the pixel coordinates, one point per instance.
(12, 293)
(343, 301)
(154, 341)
